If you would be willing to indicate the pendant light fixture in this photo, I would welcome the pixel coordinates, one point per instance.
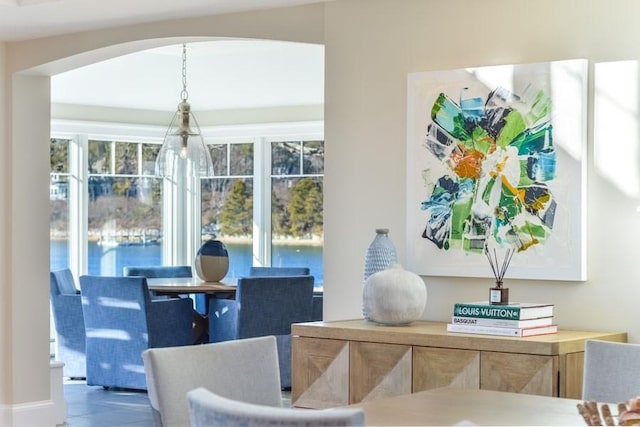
(183, 149)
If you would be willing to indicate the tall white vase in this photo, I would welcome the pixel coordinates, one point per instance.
(381, 254)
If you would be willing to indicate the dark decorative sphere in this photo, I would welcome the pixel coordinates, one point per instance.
(212, 261)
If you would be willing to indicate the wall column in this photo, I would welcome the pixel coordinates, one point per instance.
(24, 255)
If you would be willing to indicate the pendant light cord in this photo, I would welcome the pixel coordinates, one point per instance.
(184, 94)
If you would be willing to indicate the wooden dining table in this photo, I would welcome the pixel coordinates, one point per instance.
(452, 406)
(176, 287)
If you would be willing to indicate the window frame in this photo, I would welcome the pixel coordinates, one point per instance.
(181, 221)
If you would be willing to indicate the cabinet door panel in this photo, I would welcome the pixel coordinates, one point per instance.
(519, 373)
(443, 367)
(320, 372)
(378, 370)
(571, 371)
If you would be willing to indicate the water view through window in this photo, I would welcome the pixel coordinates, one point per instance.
(109, 260)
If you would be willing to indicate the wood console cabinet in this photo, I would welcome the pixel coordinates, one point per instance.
(346, 362)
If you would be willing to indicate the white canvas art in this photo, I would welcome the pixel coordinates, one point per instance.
(496, 161)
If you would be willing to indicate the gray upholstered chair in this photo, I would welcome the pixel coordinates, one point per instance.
(207, 408)
(244, 370)
(293, 271)
(264, 306)
(66, 307)
(611, 371)
(121, 321)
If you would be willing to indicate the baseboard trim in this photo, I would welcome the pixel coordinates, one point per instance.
(5, 416)
(45, 413)
(32, 414)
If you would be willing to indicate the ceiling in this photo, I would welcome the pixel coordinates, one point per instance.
(224, 74)
(221, 74)
(28, 19)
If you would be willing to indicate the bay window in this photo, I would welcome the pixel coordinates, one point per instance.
(108, 209)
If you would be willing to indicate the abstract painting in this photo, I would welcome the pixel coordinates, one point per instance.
(495, 161)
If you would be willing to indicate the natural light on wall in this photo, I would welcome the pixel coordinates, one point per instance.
(615, 127)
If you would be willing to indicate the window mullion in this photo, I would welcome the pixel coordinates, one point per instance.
(78, 202)
(192, 234)
(112, 147)
(262, 203)
(181, 219)
(301, 158)
(169, 233)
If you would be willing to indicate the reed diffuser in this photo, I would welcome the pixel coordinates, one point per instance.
(499, 295)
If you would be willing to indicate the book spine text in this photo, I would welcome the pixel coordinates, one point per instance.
(464, 310)
(480, 321)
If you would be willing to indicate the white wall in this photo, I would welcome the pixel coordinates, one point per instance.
(5, 313)
(365, 134)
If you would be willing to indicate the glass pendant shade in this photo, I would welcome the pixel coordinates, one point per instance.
(183, 147)
(183, 151)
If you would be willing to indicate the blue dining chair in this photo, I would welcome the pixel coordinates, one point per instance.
(121, 321)
(279, 271)
(264, 306)
(166, 271)
(158, 271)
(66, 307)
(318, 296)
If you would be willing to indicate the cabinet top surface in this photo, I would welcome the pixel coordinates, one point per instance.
(434, 334)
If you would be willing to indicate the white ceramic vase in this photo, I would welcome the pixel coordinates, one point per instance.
(394, 296)
(381, 254)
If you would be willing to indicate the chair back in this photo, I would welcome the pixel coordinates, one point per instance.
(264, 306)
(611, 371)
(62, 282)
(66, 308)
(279, 271)
(244, 370)
(208, 408)
(117, 332)
(269, 305)
(292, 271)
(158, 271)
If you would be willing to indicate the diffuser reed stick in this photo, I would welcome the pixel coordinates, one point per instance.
(498, 294)
(499, 273)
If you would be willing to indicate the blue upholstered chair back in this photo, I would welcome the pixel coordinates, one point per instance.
(269, 305)
(64, 282)
(279, 271)
(158, 271)
(66, 307)
(121, 322)
(292, 271)
(264, 306)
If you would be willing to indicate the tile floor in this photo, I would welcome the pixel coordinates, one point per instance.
(89, 406)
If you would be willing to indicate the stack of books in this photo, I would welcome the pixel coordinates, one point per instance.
(518, 319)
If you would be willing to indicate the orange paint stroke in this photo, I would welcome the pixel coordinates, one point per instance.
(468, 164)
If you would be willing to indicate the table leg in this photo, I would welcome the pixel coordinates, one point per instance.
(200, 328)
